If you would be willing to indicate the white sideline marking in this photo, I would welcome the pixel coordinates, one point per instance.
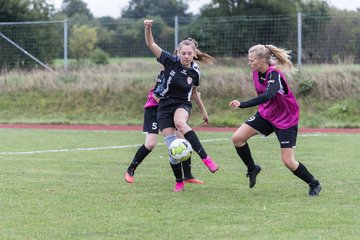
(130, 146)
(68, 150)
(89, 149)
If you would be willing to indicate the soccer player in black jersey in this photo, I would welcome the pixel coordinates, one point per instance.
(182, 76)
(151, 129)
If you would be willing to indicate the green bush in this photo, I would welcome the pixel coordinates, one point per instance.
(305, 87)
(99, 57)
(82, 41)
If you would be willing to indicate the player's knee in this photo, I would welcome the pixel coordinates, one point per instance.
(180, 126)
(238, 140)
(289, 163)
(150, 145)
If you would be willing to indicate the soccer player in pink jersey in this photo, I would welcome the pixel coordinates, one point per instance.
(278, 111)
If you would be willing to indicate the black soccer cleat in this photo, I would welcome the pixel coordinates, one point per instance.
(315, 188)
(252, 176)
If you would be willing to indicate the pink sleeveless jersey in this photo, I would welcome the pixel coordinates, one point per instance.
(150, 100)
(282, 110)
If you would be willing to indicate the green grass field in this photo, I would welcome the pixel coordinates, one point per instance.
(66, 184)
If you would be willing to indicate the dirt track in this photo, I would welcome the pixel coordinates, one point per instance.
(139, 128)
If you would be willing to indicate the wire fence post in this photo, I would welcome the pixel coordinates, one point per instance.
(65, 46)
(176, 31)
(299, 38)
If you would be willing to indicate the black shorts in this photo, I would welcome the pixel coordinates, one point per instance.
(166, 111)
(150, 120)
(287, 137)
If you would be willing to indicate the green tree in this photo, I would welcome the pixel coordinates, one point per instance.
(250, 7)
(246, 28)
(74, 8)
(274, 15)
(25, 10)
(130, 33)
(166, 9)
(82, 41)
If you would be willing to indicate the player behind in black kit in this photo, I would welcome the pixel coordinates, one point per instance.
(150, 128)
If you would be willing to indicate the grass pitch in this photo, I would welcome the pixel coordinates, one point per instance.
(57, 184)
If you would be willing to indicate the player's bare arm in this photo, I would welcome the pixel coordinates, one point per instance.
(197, 98)
(149, 39)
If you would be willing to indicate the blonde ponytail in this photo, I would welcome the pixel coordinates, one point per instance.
(275, 56)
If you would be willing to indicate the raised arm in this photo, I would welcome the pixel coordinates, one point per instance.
(196, 97)
(149, 39)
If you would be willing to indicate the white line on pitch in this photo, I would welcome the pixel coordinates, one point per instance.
(89, 149)
(125, 146)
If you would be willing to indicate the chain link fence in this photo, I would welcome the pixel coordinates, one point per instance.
(312, 38)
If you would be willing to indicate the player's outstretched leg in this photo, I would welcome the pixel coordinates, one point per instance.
(140, 155)
(252, 169)
(198, 148)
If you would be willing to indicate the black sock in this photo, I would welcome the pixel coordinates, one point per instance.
(195, 143)
(140, 155)
(245, 155)
(177, 171)
(302, 173)
(186, 166)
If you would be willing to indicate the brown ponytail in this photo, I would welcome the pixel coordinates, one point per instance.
(199, 55)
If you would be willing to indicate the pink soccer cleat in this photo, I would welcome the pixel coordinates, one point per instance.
(128, 178)
(193, 180)
(179, 186)
(211, 165)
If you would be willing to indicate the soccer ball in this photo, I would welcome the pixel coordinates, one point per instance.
(180, 149)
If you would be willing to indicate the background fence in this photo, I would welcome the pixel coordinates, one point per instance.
(312, 38)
